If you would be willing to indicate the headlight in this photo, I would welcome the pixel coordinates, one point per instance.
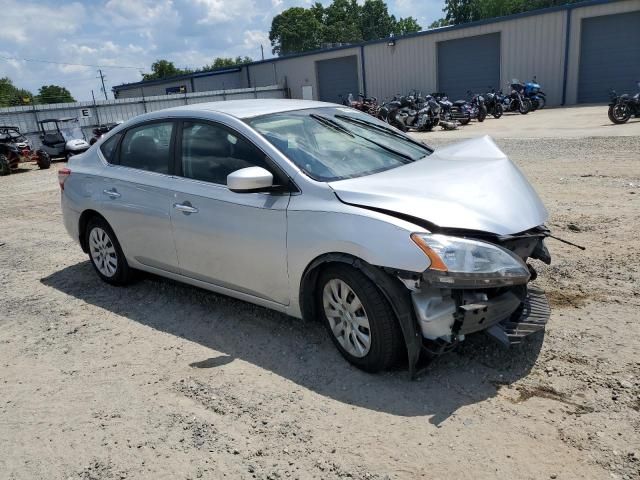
(467, 263)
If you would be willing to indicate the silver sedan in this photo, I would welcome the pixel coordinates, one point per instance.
(317, 211)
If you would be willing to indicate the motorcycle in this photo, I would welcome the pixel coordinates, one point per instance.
(452, 111)
(493, 102)
(516, 101)
(622, 107)
(476, 106)
(535, 95)
(412, 112)
(364, 104)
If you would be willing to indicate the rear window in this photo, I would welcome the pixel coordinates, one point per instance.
(108, 147)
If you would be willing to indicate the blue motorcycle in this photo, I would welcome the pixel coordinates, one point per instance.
(533, 92)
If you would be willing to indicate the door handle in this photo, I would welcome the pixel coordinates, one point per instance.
(186, 208)
(112, 193)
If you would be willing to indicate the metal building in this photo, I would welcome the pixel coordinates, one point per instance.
(578, 53)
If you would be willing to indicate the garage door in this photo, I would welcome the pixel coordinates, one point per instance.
(338, 76)
(471, 63)
(609, 56)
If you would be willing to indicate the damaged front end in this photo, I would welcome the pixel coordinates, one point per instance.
(478, 282)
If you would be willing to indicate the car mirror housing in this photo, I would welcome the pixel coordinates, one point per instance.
(250, 179)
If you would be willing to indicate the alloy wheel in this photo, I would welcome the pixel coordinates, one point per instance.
(103, 252)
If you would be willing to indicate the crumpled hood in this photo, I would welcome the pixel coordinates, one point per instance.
(469, 185)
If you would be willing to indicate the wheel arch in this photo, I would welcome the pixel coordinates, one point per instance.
(82, 226)
(391, 287)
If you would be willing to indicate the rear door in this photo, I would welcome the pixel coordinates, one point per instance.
(232, 240)
(135, 197)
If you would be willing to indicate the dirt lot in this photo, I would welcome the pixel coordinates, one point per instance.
(160, 380)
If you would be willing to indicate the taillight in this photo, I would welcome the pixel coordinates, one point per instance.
(63, 174)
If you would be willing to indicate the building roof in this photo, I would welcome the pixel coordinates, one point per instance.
(541, 11)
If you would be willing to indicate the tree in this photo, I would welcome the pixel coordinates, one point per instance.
(220, 62)
(54, 94)
(295, 30)
(12, 96)
(406, 25)
(344, 21)
(163, 69)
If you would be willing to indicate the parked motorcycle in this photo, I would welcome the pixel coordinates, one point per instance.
(533, 92)
(364, 104)
(622, 107)
(452, 111)
(516, 101)
(477, 107)
(411, 112)
(493, 101)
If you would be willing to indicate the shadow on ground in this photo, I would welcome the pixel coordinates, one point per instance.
(301, 351)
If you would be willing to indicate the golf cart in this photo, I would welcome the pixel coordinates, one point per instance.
(15, 149)
(62, 137)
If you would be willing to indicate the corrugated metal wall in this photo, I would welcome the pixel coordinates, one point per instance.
(529, 46)
(26, 118)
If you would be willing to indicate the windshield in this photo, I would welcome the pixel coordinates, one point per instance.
(71, 131)
(334, 143)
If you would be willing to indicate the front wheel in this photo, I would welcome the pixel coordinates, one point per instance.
(5, 166)
(482, 113)
(525, 106)
(105, 253)
(359, 319)
(619, 113)
(498, 111)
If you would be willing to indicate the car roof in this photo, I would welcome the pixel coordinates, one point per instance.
(252, 107)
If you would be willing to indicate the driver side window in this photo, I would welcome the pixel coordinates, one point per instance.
(211, 152)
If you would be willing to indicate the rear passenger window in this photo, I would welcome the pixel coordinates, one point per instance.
(147, 147)
(108, 147)
(211, 152)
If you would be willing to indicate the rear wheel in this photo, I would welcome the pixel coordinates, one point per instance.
(619, 113)
(105, 253)
(498, 111)
(359, 319)
(44, 160)
(464, 121)
(5, 166)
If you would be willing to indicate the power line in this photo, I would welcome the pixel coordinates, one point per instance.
(69, 64)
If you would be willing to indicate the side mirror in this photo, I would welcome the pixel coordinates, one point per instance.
(250, 179)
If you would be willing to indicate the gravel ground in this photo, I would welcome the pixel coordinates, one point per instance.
(161, 380)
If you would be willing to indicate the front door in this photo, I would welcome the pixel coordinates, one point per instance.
(232, 240)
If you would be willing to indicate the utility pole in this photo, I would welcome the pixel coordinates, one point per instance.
(262, 51)
(103, 87)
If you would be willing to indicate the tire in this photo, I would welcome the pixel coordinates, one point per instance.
(44, 160)
(105, 245)
(525, 106)
(5, 166)
(384, 334)
(482, 113)
(619, 114)
(464, 121)
(498, 111)
(541, 102)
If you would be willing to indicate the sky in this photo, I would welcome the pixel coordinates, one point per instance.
(135, 33)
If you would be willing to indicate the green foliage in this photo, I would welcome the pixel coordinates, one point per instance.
(163, 69)
(300, 29)
(464, 11)
(54, 94)
(220, 62)
(12, 96)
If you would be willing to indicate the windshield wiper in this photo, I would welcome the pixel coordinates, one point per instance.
(359, 121)
(333, 124)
